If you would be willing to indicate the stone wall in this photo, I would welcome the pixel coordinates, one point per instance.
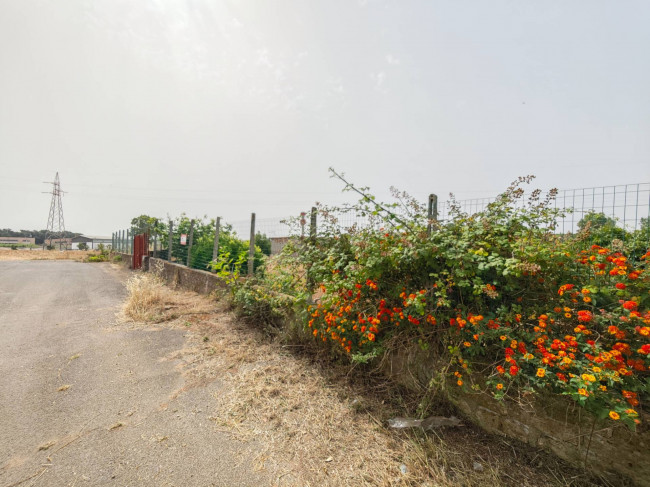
(553, 423)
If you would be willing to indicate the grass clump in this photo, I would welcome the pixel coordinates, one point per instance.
(147, 295)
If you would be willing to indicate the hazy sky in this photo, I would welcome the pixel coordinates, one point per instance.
(223, 107)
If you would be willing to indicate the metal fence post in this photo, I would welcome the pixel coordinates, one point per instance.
(122, 242)
(432, 213)
(171, 239)
(312, 224)
(215, 250)
(189, 248)
(251, 247)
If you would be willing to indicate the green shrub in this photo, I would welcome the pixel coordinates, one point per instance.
(497, 292)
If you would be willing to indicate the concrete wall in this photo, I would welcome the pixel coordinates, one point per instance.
(553, 423)
(126, 259)
(179, 276)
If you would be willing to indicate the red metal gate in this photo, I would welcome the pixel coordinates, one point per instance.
(140, 249)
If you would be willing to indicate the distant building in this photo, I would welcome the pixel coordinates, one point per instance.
(18, 240)
(91, 242)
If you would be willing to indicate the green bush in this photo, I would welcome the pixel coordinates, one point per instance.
(498, 292)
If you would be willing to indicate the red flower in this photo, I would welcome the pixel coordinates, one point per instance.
(645, 349)
(630, 305)
(514, 370)
(585, 316)
(565, 287)
(620, 285)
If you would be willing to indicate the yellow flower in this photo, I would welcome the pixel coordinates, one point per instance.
(614, 415)
(541, 372)
(499, 386)
(588, 378)
(583, 392)
(596, 369)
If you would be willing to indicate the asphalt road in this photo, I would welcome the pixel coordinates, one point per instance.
(121, 419)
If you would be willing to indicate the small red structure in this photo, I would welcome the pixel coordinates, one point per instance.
(140, 250)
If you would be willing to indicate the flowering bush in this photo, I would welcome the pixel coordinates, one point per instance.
(502, 295)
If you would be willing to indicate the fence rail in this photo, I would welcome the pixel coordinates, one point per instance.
(628, 207)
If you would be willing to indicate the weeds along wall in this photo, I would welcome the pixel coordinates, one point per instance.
(503, 303)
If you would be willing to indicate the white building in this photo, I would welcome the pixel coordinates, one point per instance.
(91, 242)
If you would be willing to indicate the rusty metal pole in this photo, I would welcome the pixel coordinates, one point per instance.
(251, 247)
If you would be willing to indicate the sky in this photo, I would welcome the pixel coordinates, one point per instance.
(227, 107)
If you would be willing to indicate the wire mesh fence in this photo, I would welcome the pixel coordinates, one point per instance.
(628, 206)
(625, 208)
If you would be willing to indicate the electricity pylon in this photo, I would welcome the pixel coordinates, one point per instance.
(55, 222)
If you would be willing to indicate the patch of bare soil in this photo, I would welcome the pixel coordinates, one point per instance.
(324, 424)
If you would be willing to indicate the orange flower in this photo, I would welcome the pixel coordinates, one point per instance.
(614, 415)
(459, 382)
(630, 305)
(499, 386)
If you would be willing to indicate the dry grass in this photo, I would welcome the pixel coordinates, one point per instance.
(7, 254)
(147, 298)
(150, 300)
(322, 424)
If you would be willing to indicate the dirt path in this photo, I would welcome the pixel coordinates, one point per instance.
(84, 401)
